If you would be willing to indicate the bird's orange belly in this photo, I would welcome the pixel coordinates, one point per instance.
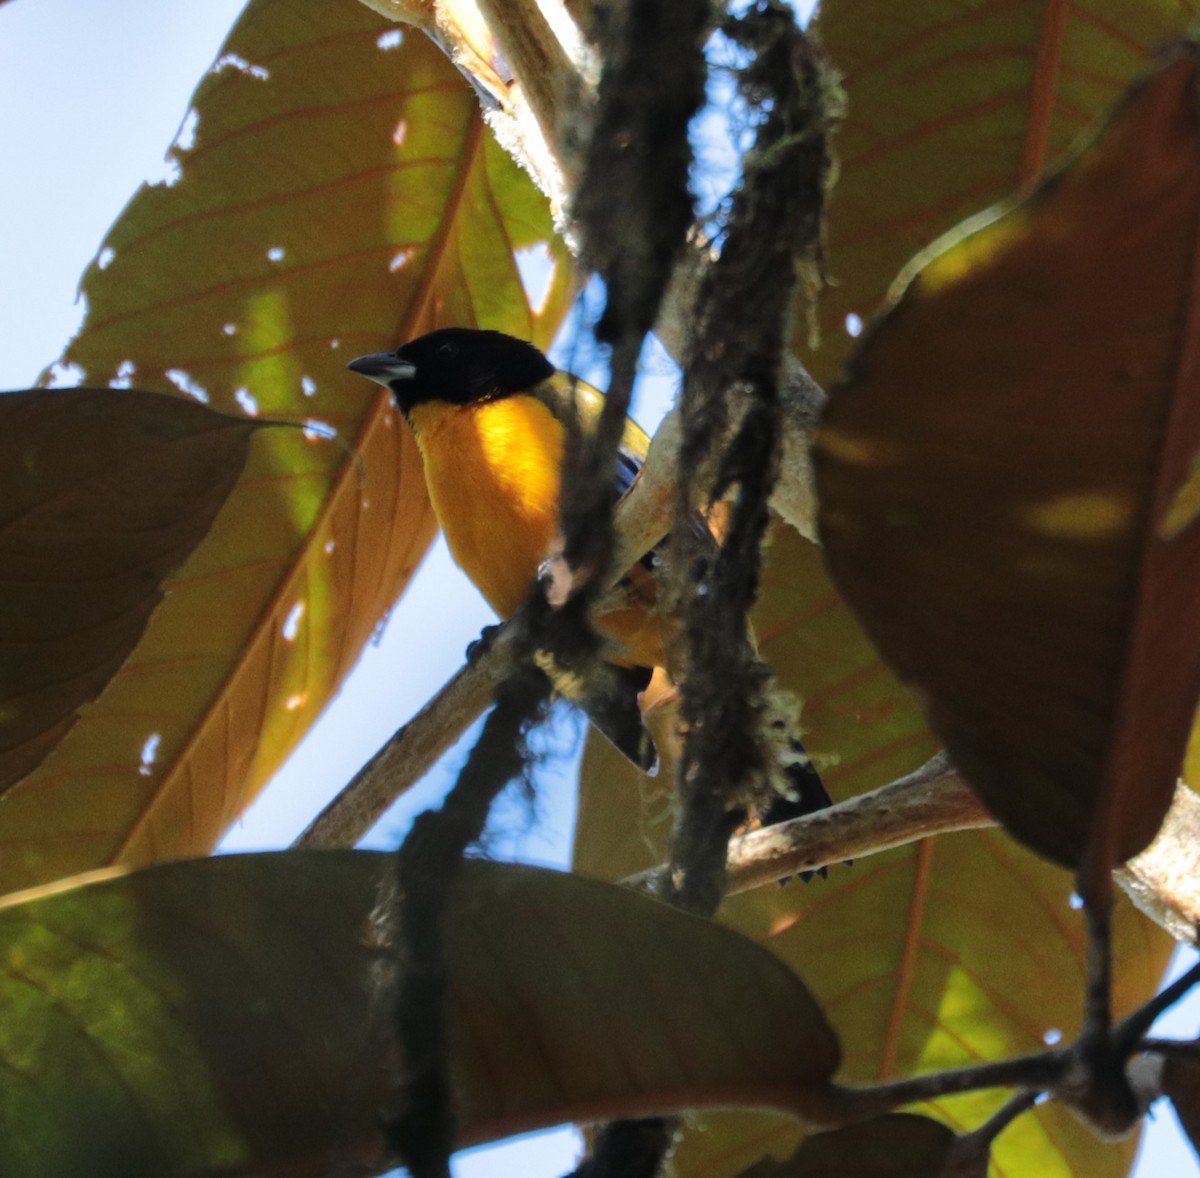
(493, 480)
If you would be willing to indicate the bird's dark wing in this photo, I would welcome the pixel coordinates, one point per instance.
(562, 390)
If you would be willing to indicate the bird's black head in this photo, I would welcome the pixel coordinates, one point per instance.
(456, 364)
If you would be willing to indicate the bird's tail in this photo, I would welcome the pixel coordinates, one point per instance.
(806, 794)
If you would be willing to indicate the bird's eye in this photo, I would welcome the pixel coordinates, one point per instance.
(448, 350)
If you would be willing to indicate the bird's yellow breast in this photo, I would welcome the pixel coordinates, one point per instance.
(492, 469)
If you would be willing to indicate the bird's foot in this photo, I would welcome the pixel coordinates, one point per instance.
(486, 640)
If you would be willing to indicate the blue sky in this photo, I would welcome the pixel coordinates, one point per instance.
(94, 94)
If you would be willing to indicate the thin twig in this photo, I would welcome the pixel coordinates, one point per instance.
(1129, 1032)
(970, 1153)
(1187, 1049)
(1039, 1072)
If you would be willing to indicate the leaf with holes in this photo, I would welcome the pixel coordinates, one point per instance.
(952, 106)
(102, 495)
(1003, 487)
(338, 192)
(227, 1016)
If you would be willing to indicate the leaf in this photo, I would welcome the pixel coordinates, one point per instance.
(953, 106)
(102, 495)
(994, 479)
(899, 1145)
(340, 193)
(924, 957)
(226, 1015)
(1181, 1083)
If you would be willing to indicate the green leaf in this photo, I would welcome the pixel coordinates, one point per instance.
(228, 1015)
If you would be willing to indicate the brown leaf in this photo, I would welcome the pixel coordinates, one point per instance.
(103, 493)
(997, 483)
(225, 1015)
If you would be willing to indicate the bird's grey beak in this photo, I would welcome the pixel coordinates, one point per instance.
(383, 368)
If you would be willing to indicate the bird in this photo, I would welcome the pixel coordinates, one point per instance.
(490, 414)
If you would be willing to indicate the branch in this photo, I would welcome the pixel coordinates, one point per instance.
(410, 752)
(543, 73)
(422, 1128)
(742, 323)
(551, 78)
(1040, 1072)
(970, 1153)
(931, 800)
(1164, 880)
